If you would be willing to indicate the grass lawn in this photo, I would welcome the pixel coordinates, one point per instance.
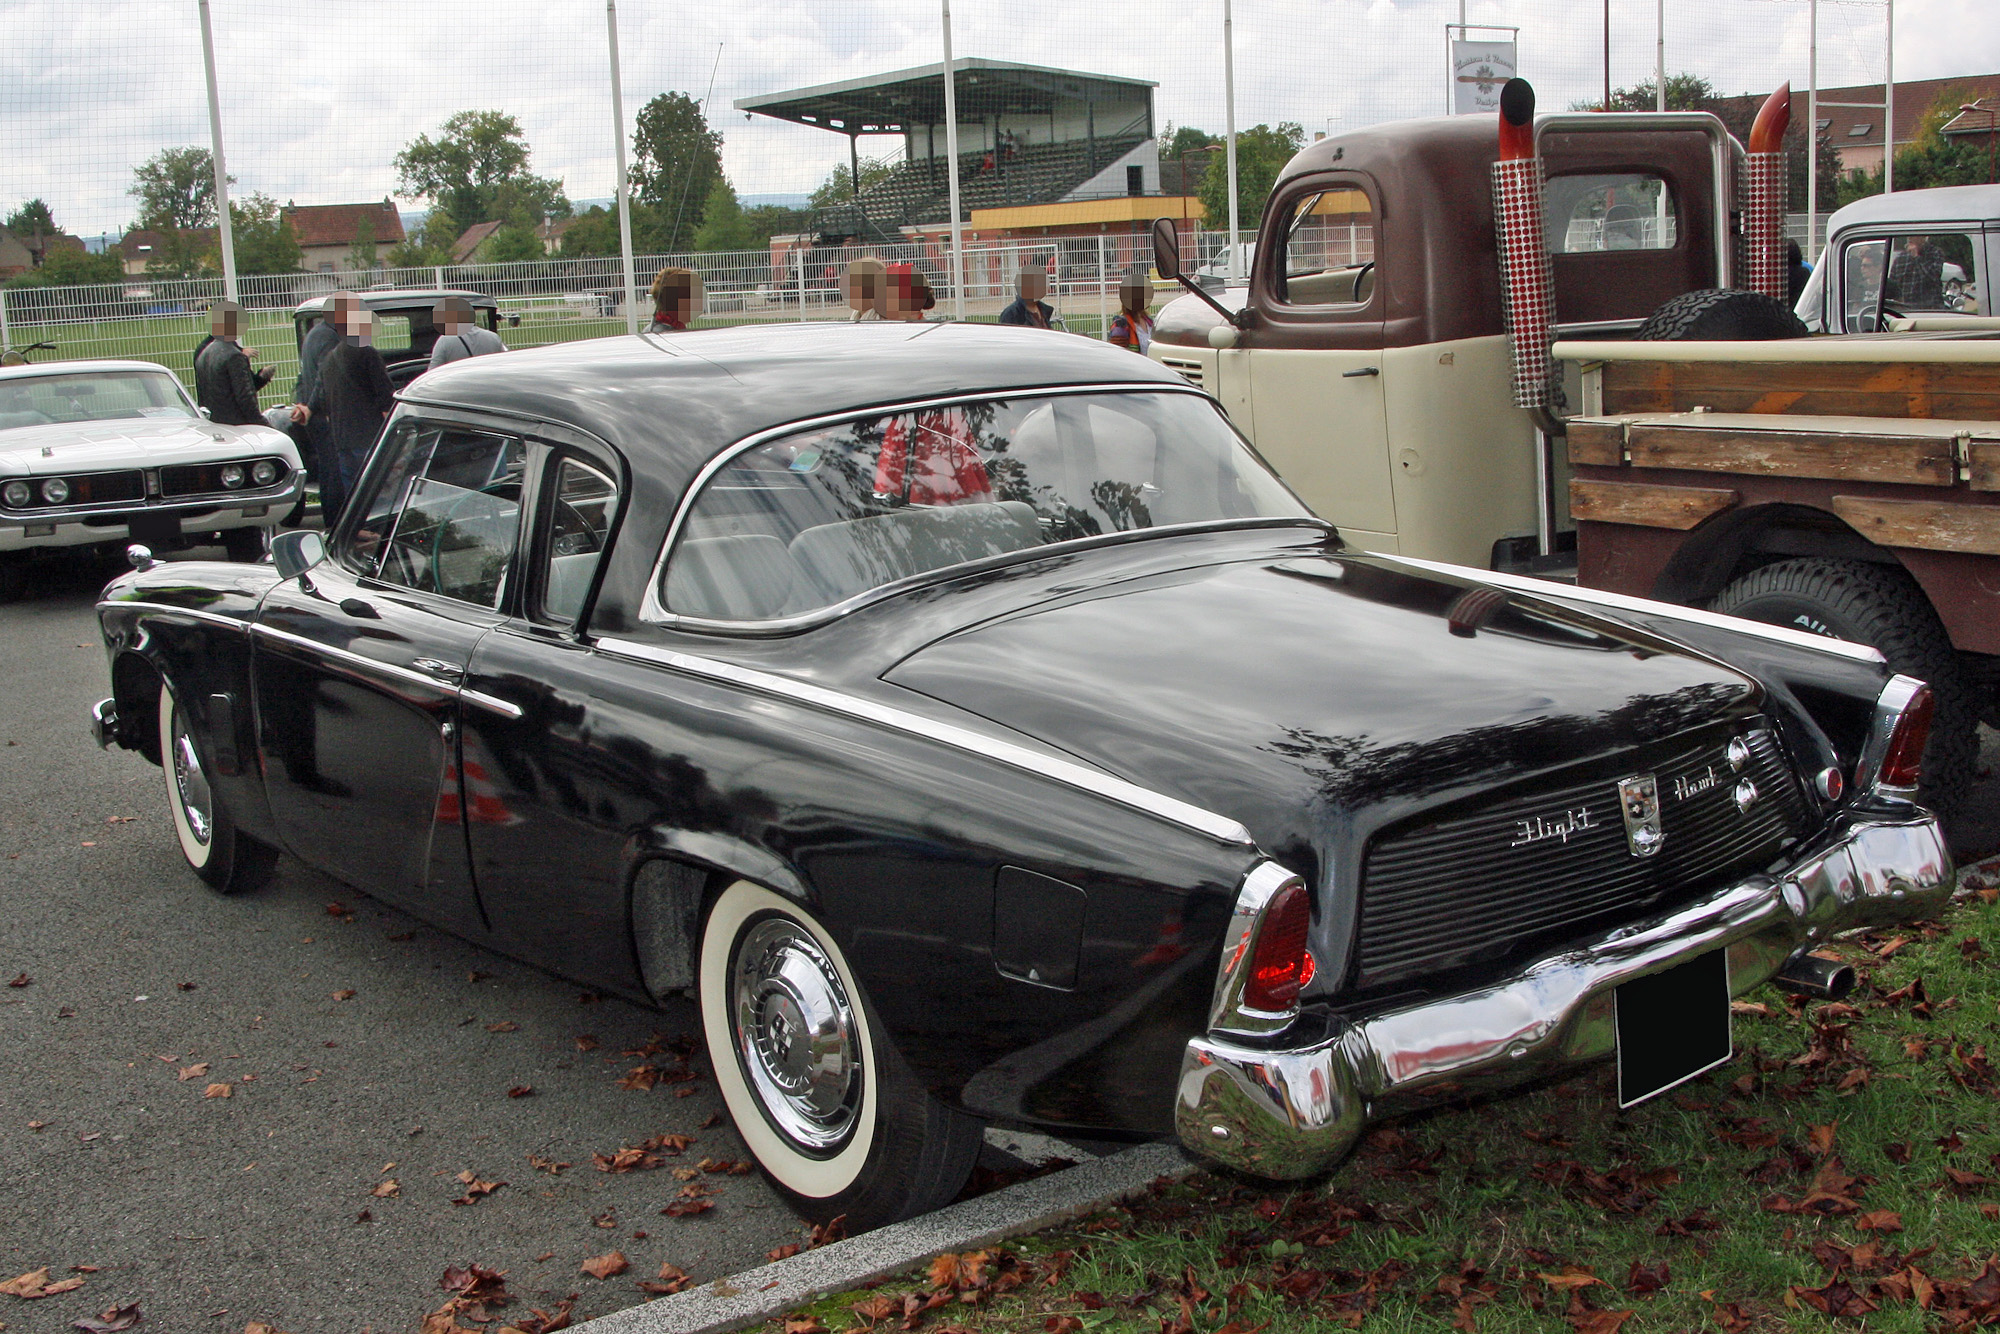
(1839, 1174)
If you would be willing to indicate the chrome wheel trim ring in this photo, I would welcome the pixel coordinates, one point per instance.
(794, 1031)
(191, 783)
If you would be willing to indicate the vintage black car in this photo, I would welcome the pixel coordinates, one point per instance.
(403, 325)
(979, 730)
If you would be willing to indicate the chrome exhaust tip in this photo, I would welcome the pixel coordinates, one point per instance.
(1816, 976)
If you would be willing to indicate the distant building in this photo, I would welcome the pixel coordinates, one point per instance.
(326, 232)
(469, 241)
(15, 257)
(143, 245)
(1856, 131)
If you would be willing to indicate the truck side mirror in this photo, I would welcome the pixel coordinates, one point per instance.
(1167, 248)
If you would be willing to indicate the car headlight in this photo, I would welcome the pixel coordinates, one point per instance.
(17, 494)
(232, 475)
(264, 472)
(55, 490)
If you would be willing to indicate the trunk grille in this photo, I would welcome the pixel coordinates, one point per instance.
(1459, 891)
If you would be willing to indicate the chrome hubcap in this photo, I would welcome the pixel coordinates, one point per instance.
(191, 783)
(795, 1035)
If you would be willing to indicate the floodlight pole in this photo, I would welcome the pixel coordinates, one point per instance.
(1889, 103)
(1229, 128)
(223, 234)
(951, 172)
(1812, 127)
(624, 185)
(1660, 56)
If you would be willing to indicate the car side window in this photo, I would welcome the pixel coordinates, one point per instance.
(583, 503)
(1933, 272)
(1329, 255)
(444, 514)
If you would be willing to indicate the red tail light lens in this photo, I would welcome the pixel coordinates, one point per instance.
(1903, 763)
(1281, 964)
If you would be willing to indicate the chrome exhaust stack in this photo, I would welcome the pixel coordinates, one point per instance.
(1816, 976)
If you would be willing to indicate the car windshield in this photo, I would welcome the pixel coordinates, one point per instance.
(90, 396)
(812, 519)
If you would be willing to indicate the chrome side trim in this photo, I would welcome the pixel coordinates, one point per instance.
(343, 655)
(505, 708)
(1889, 706)
(1226, 1011)
(653, 610)
(1622, 602)
(214, 618)
(1069, 772)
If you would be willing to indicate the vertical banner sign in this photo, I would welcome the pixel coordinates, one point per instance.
(1478, 70)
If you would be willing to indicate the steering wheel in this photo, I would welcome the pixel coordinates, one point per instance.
(570, 534)
(508, 489)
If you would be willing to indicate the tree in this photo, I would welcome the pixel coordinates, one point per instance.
(476, 170)
(676, 161)
(185, 253)
(512, 244)
(1931, 158)
(32, 219)
(723, 224)
(769, 220)
(1261, 153)
(1175, 141)
(263, 237)
(1685, 92)
(838, 187)
(361, 250)
(67, 267)
(428, 244)
(176, 189)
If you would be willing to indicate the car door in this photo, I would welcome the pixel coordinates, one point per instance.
(546, 824)
(360, 664)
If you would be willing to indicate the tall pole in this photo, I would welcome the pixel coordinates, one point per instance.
(1660, 55)
(215, 152)
(624, 184)
(951, 172)
(1607, 55)
(1889, 103)
(1812, 128)
(1229, 127)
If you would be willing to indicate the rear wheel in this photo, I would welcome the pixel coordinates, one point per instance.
(1722, 314)
(227, 861)
(1881, 606)
(823, 1101)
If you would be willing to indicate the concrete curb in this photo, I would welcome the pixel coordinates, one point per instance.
(758, 1294)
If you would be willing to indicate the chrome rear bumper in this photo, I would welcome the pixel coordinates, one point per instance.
(104, 722)
(1293, 1112)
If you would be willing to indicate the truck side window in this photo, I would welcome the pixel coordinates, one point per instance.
(1329, 257)
(1623, 211)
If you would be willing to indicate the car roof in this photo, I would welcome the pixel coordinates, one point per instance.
(671, 402)
(1941, 205)
(396, 298)
(35, 368)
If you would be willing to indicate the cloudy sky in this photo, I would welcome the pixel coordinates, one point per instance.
(317, 97)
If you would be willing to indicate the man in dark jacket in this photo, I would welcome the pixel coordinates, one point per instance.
(223, 380)
(310, 431)
(1028, 308)
(353, 395)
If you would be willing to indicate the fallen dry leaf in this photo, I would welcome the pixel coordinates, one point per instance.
(803, 1324)
(21, 980)
(1879, 1220)
(504, 1026)
(28, 1286)
(346, 993)
(195, 1071)
(219, 1091)
(386, 1189)
(1821, 1139)
(607, 1266)
(784, 1252)
(959, 1271)
(671, 1280)
(259, 1327)
(475, 1189)
(110, 1322)
(521, 1091)
(587, 1042)
(1600, 1322)
(688, 1208)
(541, 1164)
(1571, 1278)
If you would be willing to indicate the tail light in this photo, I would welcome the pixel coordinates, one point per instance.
(1903, 760)
(1280, 963)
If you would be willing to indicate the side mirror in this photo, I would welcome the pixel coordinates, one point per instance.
(206, 415)
(296, 552)
(1166, 248)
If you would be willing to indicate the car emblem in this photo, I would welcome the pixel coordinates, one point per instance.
(1688, 785)
(1639, 803)
(1540, 828)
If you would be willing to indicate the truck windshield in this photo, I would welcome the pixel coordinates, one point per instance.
(813, 519)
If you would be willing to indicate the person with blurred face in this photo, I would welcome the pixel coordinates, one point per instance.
(223, 380)
(458, 336)
(867, 288)
(676, 294)
(1028, 308)
(354, 397)
(1132, 326)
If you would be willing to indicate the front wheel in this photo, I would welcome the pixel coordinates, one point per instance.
(246, 545)
(824, 1103)
(1881, 606)
(227, 861)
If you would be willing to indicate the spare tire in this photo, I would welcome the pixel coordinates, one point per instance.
(1721, 314)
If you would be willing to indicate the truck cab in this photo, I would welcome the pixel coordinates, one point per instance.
(1367, 357)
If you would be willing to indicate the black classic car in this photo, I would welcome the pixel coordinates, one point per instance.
(403, 325)
(980, 731)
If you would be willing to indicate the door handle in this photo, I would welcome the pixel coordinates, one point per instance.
(1365, 370)
(451, 671)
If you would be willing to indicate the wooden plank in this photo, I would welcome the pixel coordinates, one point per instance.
(1835, 455)
(1647, 505)
(1953, 390)
(1597, 442)
(1984, 456)
(1931, 525)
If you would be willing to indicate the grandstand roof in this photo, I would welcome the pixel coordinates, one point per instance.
(891, 103)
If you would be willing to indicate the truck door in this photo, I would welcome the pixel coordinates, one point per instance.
(1314, 358)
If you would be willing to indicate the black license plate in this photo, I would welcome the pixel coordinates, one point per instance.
(1672, 1026)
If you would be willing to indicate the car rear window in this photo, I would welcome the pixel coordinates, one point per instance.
(813, 519)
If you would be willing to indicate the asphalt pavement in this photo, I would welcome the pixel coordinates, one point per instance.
(358, 1048)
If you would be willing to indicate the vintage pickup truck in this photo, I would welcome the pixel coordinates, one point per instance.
(1421, 394)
